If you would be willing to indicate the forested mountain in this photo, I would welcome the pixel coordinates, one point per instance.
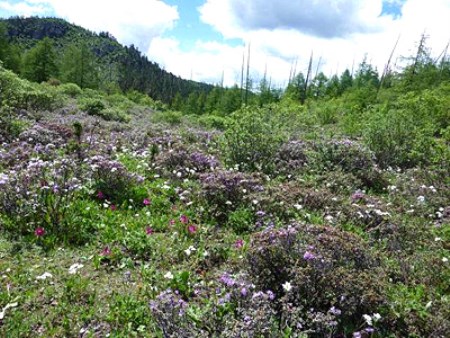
(44, 48)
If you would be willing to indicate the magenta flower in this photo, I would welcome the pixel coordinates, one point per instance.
(184, 219)
(149, 230)
(100, 195)
(147, 201)
(308, 256)
(106, 251)
(39, 232)
(239, 244)
(172, 222)
(192, 229)
(113, 207)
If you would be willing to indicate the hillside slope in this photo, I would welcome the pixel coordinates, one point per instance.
(125, 66)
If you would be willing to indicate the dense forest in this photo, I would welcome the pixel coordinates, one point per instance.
(43, 49)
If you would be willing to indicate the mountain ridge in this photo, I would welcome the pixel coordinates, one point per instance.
(133, 70)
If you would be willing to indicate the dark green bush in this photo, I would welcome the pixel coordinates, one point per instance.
(253, 137)
(92, 106)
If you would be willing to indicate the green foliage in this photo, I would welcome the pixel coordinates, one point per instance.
(169, 117)
(70, 89)
(213, 121)
(92, 106)
(252, 138)
(79, 66)
(397, 138)
(40, 62)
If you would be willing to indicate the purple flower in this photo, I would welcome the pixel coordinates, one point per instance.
(244, 292)
(335, 311)
(184, 219)
(149, 230)
(100, 195)
(227, 280)
(308, 256)
(270, 294)
(147, 201)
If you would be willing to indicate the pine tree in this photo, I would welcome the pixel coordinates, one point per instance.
(79, 66)
(40, 62)
(9, 54)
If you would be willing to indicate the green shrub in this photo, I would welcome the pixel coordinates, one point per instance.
(212, 121)
(169, 117)
(398, 139)
(92, 106)
(253, 137)
(70, 89)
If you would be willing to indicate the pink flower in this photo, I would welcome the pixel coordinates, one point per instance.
(184, 219)
(113, 207)
(239, 244)
(172, 222)
(100, 195)
(39, 232)
(147, 201)
(149, 230)
(106, 251)
(192, 229)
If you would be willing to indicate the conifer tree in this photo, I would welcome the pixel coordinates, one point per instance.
(79, 66)
(40, 62)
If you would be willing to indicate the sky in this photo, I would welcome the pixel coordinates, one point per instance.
(205, 40)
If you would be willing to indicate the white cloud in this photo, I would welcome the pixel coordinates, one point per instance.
(277, 38)
(207, 61)
(26, 8)
(323, 18)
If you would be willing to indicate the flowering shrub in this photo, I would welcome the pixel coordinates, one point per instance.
(224, 191)
(325, 267)
(180, 162)
(114, 182)
(350, 157)
(42, 196)
(291, 157)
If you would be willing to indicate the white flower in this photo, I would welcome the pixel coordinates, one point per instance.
(74, 268)
(287, 286)
(298, 206)
(44, 276)
(376, 317)
(205, 254)
(421, 199)
(168, 275)
(368, 319)
(444, 259)
(189, 250)
(329, 218)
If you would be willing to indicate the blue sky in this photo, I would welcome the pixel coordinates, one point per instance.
(203, 39)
